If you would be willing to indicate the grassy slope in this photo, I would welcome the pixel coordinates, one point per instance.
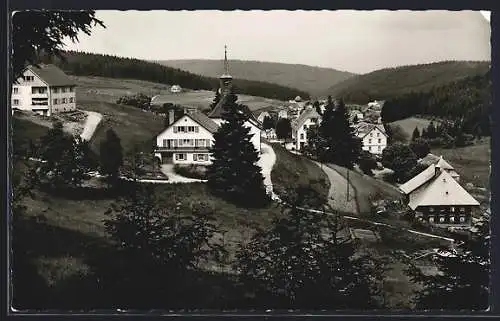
(367, 187)
(311, 79)
(291, 171)
(26, 130)
(384, 83)
(408, 125)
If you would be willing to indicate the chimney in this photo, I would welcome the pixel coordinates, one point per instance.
(171, 116)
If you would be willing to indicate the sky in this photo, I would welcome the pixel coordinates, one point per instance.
(349, 40)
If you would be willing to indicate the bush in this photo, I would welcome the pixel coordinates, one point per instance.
(139, 100)
(367, 163)
(191, 171)
(420, 147)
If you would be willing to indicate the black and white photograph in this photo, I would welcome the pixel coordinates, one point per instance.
(204, 160)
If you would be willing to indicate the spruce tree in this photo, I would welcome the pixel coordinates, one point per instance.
(234, 173)
(416, 134)
(111, 155)
(341, 146)
(216, 99)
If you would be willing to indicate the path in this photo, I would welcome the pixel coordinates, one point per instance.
(91, 123)
(337, 195)
(266, 162)
(173, 177)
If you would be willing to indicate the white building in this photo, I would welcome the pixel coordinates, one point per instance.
(175, 89)
(45, 90)
(263, 115)
(283, 114)
(373, 137)
(308, 118)
(188, 140)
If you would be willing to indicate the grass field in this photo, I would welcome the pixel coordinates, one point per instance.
(24, 131)
(408, 125)
(292, 171)
(367, 188)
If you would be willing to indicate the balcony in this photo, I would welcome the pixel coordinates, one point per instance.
(179, 149)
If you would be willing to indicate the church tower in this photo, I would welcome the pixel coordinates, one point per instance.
(225, 79)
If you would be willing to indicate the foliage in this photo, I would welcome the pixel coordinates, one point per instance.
(234, 173)
(89, 64)
(268, 123)
(36, 32)
(66, 159)
(159, 241)
(384, 84)
(283, 128)
(420, 147)
(191, 171)
(416, 134)
(139, 100)
(400, 158)
(463, 280)
(395, 133)
(307, 261)
(216, 100)
(336, 141)
(367, 163)
(111, 155)
(467, 101)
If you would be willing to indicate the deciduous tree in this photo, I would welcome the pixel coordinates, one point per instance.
(283, 128)
(111, 155)
(400, 158)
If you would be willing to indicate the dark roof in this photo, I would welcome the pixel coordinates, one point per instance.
(204, 121)
(52, 75)
(219, 110)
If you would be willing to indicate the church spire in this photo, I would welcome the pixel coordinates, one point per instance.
(226, 78)
(226, 65)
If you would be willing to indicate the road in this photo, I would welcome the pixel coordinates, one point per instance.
(91, 123)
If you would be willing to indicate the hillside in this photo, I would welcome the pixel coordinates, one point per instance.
(314, 80)
(88, 64)
(467, 100)
(386, 83)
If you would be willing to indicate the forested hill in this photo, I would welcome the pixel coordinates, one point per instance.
(391, 82)
(312, 79)
(89, 64)
(467, 100)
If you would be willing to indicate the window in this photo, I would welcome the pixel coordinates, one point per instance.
(190, 129)
(441, 219)
(301, 135)
(378, 135)
(200, 142)
(379, 140)
(452, 209)
(37, 90)
(15, 90)
(431, 209)
(200, 157)
(71, 89)
(379, 148)
(63, 100)
(29, 78)
(369, 141)
(431, 219)
(462, 219)
(56, 90)
(371, 134)
(452, 219)
(181, 129)
(180, 156)
(164, 143)
(15, 102)
(462, 209)
(70, 99)
(56, 101)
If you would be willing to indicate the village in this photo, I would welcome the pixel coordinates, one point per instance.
(104, 153)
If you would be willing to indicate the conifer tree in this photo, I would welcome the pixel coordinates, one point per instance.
(416, 134)
(216, 99)
(234, 173)
(111, 155)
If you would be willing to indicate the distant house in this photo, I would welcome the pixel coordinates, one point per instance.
(45, 89)
(308, 118)
(269, 134)
(436, 197)
(376, 105)
(175, 89)
(373, 137)
(353, 114)
(283, 114)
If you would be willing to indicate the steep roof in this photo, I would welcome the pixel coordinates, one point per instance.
(52, 75)
(204, 121)
(362, 129)
(443, 190)
(443, 164)
(418, 180)
(219, 110)
(307, 114)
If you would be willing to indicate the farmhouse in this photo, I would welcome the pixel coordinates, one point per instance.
(436, 197)
(45, 89)
(188, 139)
(440, 162)
(373, 137)
(308, 118)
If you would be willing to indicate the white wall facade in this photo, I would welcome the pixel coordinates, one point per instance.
(254, 131)
(375, 141)
(33, 94)
(300, 135)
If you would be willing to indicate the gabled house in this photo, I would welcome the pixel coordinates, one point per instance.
(436, 197)
(45, 89)
(263, 115)
(308, 118)
(373, 137)
(441, 163)
(188, 139)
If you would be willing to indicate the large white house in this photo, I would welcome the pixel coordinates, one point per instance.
(308, 118)
(45, 89)
(187, 140)
(373, 137)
